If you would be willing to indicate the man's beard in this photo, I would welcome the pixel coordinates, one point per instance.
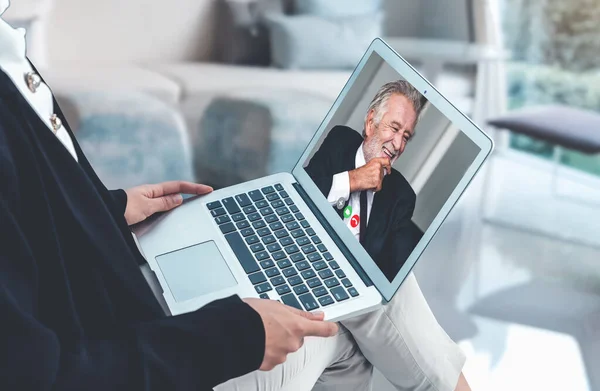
(373, 148)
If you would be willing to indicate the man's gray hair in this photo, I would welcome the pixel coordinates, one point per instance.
(401, 87)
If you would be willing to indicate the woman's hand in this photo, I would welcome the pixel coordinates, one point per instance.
(143, 201)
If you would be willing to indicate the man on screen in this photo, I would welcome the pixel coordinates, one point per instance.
(355, 174)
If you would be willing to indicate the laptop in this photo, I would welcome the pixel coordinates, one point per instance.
(280, 238)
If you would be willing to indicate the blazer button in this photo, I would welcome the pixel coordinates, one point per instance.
(56, 122)
(33, 81)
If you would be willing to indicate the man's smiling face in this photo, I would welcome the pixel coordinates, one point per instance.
(388, 138)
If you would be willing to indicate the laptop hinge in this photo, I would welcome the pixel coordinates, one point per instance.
(334, 236)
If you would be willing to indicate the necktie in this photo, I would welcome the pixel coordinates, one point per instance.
(363, 216)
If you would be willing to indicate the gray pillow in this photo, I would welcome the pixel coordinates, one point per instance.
(337, 8)
(313, 42)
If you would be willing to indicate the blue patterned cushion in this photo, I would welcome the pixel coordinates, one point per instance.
(337, 8)
(129, 138)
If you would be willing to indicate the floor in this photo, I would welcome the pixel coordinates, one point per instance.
(520, 291)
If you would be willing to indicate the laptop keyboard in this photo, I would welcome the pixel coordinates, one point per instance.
(279, 250)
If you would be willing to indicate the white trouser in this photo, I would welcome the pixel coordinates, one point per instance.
(402, 340)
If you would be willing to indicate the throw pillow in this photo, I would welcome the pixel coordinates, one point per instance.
(337, 8)
(313, 42)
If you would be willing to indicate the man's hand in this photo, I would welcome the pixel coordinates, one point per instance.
(143, 201)
(285, 329)
(370, 176)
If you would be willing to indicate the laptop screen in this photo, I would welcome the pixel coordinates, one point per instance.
(387, 162)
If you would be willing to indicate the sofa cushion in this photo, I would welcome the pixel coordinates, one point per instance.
(337, 8)
(114, 79)
(215, 79)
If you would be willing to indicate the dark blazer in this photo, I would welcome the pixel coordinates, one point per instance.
(77, 314)
(391, 235)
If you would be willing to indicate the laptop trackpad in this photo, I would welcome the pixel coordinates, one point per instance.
(195, 271)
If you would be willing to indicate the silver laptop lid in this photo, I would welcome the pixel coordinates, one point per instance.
(432, 169)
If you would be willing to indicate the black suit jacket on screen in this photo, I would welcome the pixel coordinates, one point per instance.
(391, 235)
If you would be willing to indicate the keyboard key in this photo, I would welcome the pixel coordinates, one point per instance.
(298, 233)
(320, 291)
(263, 232)
(284, 263)
(326, 300)
(241, 252)
(339, 293)
(314, 282)
(305, 224)
(286, 241)
(243, 200)
(273, 197)
(264, 287)
(231, 205)
(283, 289)
(308, 249)
(308, 274)
(243, 224)
(300, 289)
(302, 241)
(294, 208)
(267, 190)
(314, 257)
(253, 217)
(284, 194)
(278, 255)
(256, 195)
(297, 257)
(322, 248)
(259, 224)
(262, 204)
(334, 265)
(252, 239)
(238, 217)
(326, 273)
(316, 239)
(295, 280)
(262, 255)
(257, 247)
(247, 232)
(290, 271)
(290, 300)
(308, 301)
(271, 219)
(328, 256)
(272, 272)
(346, 282)
(217, 212)
(222, 219)
(214, 205)
(292, 249)
(330, 283)
(266, 211)
(277, 204)
(302, 265)
(353, 292)
(281, 233)
(273, 247)
(287, 218)
(310, 232)
(227, 228)
(267, 264)
(292, 226)
(289, 201)
(278, 187)
(257, 278)
(320, 265)
(282, 211)
(276, 226)
(277, 280)
(249, 209)
(264, 296)
(340, 273)
(269, 239)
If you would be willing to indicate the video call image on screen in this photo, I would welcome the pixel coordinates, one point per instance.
(382, 123)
